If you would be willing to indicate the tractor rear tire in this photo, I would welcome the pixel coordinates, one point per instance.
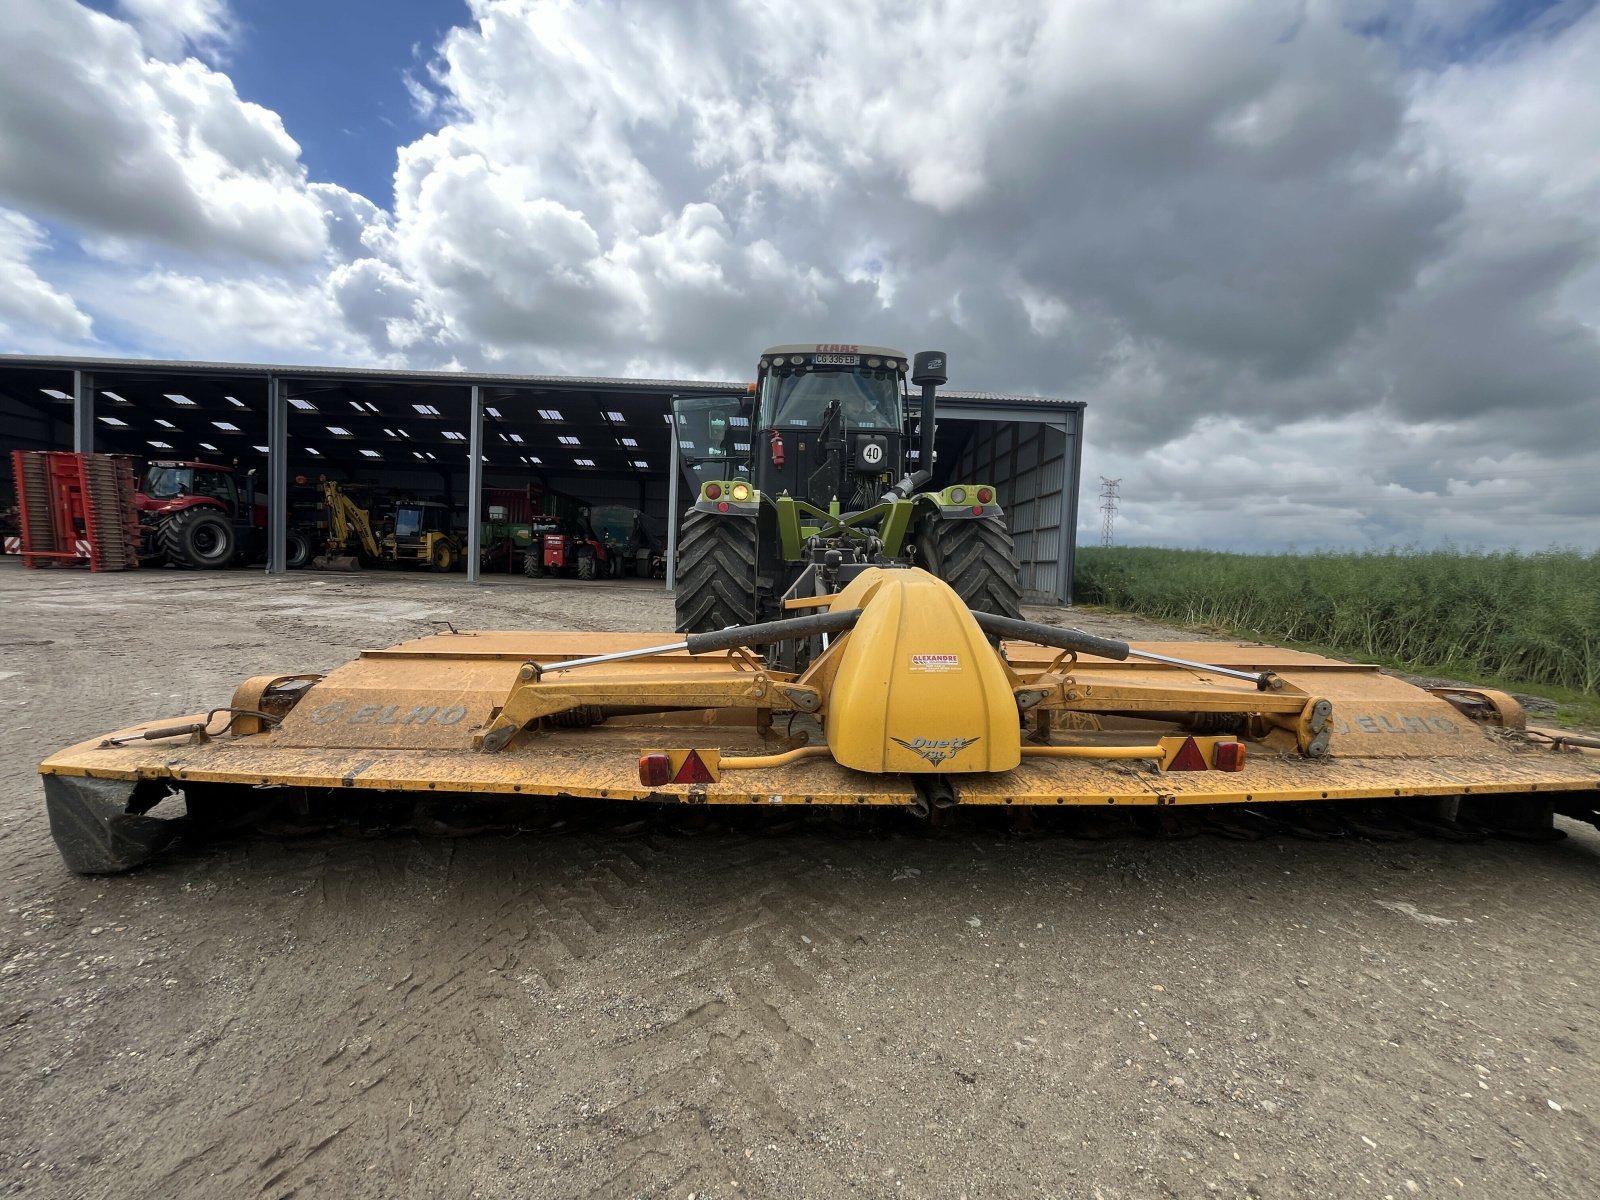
(444, 558)
(716, 582)
(586, 566)
(533, 564)
(298, 550)
(198, 538)
(977, 558)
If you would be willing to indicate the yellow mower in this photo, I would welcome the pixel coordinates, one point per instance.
(906, 699)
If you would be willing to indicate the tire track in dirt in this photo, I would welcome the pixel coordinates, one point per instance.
(387, 1068)
(679, 1103)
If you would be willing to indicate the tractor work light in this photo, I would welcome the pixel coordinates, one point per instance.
(740, 491)
(958, 495)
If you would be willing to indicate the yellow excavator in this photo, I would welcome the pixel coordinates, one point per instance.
(421, 535)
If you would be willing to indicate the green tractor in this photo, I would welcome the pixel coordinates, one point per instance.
(819, 474)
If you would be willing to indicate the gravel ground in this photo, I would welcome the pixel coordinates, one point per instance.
(640, 1007)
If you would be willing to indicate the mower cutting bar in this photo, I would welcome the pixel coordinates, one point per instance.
(910, 701)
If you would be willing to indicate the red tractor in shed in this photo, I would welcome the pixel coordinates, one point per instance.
(198, 515)
(580, 553)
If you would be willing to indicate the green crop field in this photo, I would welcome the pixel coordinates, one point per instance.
(1522, 619)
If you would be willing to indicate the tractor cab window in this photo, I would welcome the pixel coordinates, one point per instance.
(867, 399)
(216, 484)
(418, 519)
(168, 483)
(713, 437)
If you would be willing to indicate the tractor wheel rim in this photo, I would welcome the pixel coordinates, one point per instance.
(207, 542)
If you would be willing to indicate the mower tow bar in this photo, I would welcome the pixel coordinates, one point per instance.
(1087, 643)
(731, 638)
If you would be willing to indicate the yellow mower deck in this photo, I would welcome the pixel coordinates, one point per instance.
(920, 694)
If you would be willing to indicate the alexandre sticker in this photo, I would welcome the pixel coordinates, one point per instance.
(936, 662)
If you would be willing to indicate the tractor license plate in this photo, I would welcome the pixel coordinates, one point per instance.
(838, 360)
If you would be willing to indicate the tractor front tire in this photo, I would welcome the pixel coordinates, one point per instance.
(716, 580)
(201, 539)
(977, 558)
(533, 564)
(586, 566)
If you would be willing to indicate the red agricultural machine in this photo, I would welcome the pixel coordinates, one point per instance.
(204, 516)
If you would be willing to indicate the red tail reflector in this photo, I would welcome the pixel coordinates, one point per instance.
(1188, 758)
(985, 495)
(713, 491)
(655, 770)
(693, 770)
(1230, 756)
(977, 510)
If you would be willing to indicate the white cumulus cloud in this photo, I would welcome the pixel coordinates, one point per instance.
(98, 133)
(28, 305)
(169, 28)
(1323, 272)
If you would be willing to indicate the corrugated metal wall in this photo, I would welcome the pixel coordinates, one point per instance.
(1034, 464)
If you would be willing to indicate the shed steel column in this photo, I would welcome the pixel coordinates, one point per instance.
(1069, 520)
(82, 412)
(277, 476)
(475, 486)
(672, 504)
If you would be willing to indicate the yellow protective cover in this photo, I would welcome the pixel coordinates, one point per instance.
(919, 689)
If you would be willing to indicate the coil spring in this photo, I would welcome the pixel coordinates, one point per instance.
(1214, 723)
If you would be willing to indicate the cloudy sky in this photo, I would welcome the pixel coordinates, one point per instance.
(1326, 273)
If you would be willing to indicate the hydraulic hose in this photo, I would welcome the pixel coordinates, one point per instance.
(1051, 635)
(769, 632)
(1087, 643)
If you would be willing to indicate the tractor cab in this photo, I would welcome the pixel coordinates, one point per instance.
(414, 521)
(830, 422)
(166, 483)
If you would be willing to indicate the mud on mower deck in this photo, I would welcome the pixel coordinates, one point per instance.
(878, 720)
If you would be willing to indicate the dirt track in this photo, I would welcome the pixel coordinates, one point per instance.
(632, 1007)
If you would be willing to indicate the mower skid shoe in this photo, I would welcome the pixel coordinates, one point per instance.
(93, 829)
